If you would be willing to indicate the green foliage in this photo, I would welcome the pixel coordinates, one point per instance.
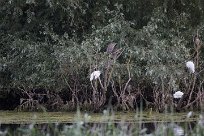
(57, 44)
(159, 51)
(32, 64)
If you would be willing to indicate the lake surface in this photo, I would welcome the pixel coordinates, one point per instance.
(49, 121)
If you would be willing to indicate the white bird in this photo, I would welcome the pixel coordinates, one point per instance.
(95, 75)
(178, 94)
(189, 114)
(190, 65)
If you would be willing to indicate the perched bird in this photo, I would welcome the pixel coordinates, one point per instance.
(113, 50)
(110, 47)
(178, 94)
(190, 65)
(197, 43)
(95, 75)
(189, 114)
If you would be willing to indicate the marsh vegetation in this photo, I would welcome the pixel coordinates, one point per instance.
(49, 49)
(88, 55)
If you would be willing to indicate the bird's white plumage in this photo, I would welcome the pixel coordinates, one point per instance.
(189, 114)
(178, 94)
(190, 65)
(95, 75)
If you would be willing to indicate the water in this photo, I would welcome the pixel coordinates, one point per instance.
(45, 127)
(49, 121)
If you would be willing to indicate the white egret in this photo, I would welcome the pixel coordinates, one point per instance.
(178, 94)
(95, 75)
(189, 114)
(190, 65)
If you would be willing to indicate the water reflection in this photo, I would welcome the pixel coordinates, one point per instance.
(178, 128)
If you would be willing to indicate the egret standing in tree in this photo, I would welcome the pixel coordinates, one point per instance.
(190, 65)
(178, 94)
(95, 75)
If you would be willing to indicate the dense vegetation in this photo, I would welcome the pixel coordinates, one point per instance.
(49, 48)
